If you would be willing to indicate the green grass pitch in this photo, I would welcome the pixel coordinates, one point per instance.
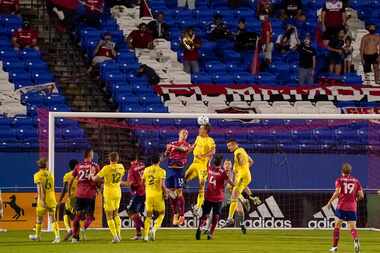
(182, 241)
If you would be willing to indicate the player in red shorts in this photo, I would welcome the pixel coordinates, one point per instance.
(85, 194)
(348, 190)
(177, 153)
(137, 188)
(216, 181)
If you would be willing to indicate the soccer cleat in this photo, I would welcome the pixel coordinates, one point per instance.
(34, 238)
(333, 249)
(56, 240)
(243, 229)
(68, 235)
(146, 239)
(357, 246)
(137, 238)
(152, 235)
(116, 240)
(198, 234)
(74, 240)
(229, 224)
(181, 220)
(209, 236)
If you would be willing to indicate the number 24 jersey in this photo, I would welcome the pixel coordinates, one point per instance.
(112, 175)
(86, 188)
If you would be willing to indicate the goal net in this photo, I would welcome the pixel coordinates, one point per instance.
(296, 158)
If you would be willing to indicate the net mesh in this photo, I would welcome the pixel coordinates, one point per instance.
(296, 161)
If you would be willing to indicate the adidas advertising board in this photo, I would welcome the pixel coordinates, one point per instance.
(278, 210)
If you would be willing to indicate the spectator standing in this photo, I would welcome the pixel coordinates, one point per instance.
(218, 30)
(140, 38)
(348, 50)
(244, 39)
(333, 18)
(191, 44)
(25, 37)
(369, 52)
(266, 38)
(289, 40)
(159, 28)
(9, 7)
(150, 74)
(93, 12)
(336, 53)
(306, 62)
(190, 4)
(104, 51)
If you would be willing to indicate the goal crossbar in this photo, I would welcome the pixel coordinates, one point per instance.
(246, 116)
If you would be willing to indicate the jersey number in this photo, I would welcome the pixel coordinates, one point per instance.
(150, 180)
(212, 181)
(84, 175)
(348, 188)
(116, 178)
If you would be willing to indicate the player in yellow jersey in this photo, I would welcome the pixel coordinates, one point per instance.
(112, 174)
(46, 202)
(70, 201)
(155, 191)
(204, 149)
(242, 172)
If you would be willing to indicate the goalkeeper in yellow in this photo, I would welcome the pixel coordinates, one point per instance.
(46, 202)
(242, 172)
(70, 201)
(112, 174)
(203, 150)
(155, 192)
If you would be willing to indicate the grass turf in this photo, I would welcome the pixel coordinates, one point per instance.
(182, 241)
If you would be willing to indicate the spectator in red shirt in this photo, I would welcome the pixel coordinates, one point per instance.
(266, 38)
(190, 43)
(93, 12)
(140, 38)
(333, 18)
(9, 7)
(104, 51)
(25, 37)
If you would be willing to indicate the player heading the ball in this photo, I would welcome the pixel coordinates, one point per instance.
(348, 191)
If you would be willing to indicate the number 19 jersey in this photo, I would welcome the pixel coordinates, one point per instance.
(349, 188)
(112, 175)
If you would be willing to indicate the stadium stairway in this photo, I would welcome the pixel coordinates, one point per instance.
(83, 92)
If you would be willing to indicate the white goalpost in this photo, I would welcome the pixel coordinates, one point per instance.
(270, 208)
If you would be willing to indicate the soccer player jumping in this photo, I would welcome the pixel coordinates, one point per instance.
(154, 179)
(242, 165)
(112, 175)
(85, 194)
(46, 202)
(348, 191)
(216, 182)
(177, 153)
(204, 149)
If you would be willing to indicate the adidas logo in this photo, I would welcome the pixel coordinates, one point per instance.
(268, 215)
(325, 218)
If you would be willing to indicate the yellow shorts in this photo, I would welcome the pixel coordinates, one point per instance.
(111, 204)
(241, 182)
(197, 169)
(50, 208)
(154, 204)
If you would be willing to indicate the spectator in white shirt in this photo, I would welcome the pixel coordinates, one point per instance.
(289, 40)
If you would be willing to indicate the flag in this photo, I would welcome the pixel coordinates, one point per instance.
(255, 60)
(144, 9)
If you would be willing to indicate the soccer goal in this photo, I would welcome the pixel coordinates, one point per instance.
(297, 158)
